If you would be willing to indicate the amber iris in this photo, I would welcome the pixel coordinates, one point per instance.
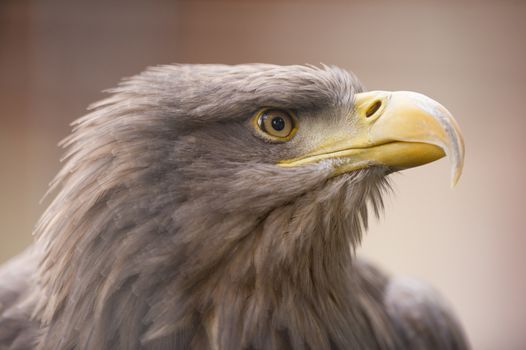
(276, 123)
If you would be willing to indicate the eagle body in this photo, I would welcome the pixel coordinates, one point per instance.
(182, 221)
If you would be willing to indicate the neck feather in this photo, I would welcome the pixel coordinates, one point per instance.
(275, 279)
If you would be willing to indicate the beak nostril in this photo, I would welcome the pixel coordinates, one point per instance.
(373, 108)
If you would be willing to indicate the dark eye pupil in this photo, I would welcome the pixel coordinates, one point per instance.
(278, 123)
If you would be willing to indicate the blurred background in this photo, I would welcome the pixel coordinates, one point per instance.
(56, 57)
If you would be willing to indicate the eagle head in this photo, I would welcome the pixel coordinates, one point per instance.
(198, 197)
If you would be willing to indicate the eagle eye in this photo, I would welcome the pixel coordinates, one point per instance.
(275, 124)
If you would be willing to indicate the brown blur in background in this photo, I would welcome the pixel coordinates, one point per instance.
(56, 57)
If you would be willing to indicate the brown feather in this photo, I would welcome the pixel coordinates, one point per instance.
(172, 227)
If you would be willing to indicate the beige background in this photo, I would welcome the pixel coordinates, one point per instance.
(470, 55)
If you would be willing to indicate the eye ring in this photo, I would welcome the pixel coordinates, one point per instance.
(274, 124)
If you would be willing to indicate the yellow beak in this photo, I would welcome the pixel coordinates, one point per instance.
(398, 130)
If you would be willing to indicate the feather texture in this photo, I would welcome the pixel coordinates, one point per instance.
(172, 227)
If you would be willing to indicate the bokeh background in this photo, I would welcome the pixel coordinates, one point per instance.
(56, 57)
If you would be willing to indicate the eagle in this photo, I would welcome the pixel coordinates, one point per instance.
(207, 206)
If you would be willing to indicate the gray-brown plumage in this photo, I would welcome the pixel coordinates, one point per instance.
(178, 225)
